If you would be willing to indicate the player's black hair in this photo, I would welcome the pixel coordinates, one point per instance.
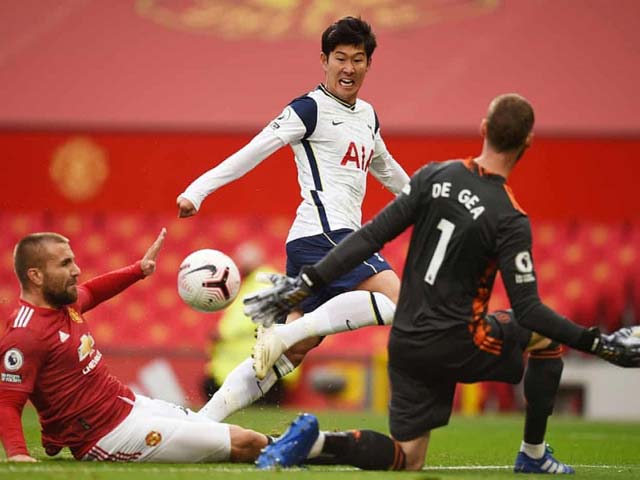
(349, 31)
(29, 253)
(509, 121)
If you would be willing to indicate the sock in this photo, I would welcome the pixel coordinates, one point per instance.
(364, 449)
(534, 451)
(347, 311)
(317, 447)
(541, 382)
(239, 390)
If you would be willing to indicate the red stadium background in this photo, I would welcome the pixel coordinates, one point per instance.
(110, 109)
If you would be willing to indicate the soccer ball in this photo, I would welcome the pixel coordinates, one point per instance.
(208, 280)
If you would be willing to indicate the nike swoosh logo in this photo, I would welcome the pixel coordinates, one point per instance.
(211, 268)
(333, 122)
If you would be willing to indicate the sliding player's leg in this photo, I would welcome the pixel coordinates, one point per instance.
(158, 431)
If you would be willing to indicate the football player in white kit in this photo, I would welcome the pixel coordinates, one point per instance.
(336, 139)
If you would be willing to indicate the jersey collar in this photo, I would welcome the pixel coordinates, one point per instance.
(324, 90)
(481, 171)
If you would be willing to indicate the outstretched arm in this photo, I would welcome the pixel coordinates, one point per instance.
(519, 276)
(234, 167)
(103, 287)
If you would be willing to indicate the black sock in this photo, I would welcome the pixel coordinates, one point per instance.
(541, 383)
(364, 449)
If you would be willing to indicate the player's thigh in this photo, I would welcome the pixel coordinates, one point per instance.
(498, 353)
(189, 442)
(162, 408)
(308, 250)
(531, 340)
(145, 436)
(417, 405)
(385, 282)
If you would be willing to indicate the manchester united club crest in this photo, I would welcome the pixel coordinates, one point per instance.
(75, 316)
(153, 438)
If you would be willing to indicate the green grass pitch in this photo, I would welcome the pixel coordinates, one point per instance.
(482, 447)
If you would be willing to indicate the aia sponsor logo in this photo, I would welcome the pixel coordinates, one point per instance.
(357, 157)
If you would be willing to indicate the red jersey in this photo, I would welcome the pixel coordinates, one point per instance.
(51, 355)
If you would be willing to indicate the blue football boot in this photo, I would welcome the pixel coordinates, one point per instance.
(293, 446)
(546, 464)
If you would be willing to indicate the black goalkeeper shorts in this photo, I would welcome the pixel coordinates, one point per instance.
(424, 369)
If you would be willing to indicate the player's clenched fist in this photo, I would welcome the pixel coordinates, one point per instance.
(185, 208)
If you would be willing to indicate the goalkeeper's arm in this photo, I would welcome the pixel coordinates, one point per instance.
(390, 222)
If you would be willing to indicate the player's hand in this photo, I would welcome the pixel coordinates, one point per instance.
(21, 458)
(185, 208)
(622, 347)
(148, 262)
(267, 306)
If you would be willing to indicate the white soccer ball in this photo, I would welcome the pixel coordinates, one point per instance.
(208, 280)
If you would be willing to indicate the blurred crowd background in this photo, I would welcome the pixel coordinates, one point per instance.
(110, 109)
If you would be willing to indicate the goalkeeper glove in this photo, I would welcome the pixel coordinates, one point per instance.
(270, 305)
(621, 348)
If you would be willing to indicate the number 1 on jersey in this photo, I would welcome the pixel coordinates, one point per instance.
(446, 228)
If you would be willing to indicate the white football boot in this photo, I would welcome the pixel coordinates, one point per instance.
(268, 348)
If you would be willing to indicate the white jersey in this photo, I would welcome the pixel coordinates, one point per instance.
(335, 145)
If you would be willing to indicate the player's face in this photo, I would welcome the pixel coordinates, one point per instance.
(345, 69)
(60, 275)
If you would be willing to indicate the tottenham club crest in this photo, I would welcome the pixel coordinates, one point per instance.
(13, 360)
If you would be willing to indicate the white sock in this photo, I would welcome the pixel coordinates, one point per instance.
(240, 389)
(316, 449)
(347, 311)
(534, 451)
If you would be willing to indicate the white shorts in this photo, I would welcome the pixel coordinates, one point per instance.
(159, 431)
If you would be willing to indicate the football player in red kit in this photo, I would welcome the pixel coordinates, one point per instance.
(49, 356)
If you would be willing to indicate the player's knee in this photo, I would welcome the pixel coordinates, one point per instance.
(386, 308)
(413, 463)
(245, 444)
(385, 282)
(414, 458)
(538, 342)
(549, 350)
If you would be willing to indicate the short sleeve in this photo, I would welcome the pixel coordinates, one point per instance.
(22, 357)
